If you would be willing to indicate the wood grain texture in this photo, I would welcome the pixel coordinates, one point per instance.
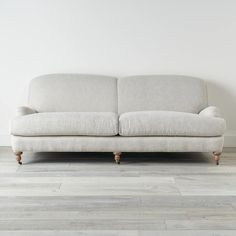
(18, 157)
(88, 194)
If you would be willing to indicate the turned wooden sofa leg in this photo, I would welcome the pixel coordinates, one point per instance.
(18, 157)
(216, 156)
(117, 157)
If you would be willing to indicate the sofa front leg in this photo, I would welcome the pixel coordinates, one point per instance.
(216, 156)
(18, 157)
(117, 157)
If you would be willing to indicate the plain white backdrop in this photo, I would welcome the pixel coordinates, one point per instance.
(119, 38)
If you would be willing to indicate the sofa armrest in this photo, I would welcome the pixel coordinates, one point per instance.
(22, 111)
(210, 111)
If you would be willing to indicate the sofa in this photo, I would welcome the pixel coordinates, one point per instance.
(94, 113)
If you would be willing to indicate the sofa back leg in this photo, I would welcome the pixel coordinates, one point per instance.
(117, 157)
(216, 156)
(18, 157)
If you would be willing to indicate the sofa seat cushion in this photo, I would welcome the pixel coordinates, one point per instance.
(66, 123)
(169, 123)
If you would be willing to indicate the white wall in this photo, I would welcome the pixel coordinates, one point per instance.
(118, 37)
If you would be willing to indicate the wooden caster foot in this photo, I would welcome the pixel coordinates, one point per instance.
(216, 156)
(18, 157)
(117, 157)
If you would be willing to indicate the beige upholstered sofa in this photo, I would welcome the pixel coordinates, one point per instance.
(93, 113)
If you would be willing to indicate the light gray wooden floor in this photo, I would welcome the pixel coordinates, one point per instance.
(88, 194)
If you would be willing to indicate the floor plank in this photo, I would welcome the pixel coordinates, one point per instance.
(88, 194)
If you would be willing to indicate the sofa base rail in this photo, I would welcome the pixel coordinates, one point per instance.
(117, 144)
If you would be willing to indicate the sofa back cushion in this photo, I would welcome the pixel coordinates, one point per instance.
(73, 92)
(161, 92)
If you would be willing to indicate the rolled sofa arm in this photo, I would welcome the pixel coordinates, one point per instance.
(22, 111)
(210, 111)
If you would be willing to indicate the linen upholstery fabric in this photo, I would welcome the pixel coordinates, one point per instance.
(161, 92)
(117, 144)
(211, 111)
(74, 112)
(23, 110)
(73, 93)
(66, 123)
(169, 123)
